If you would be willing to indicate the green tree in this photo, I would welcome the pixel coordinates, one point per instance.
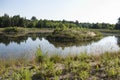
(33, 18)
(39, 24)
(117, 26)
(22, 22)
(77, 22)
(62, 26)
(15, 20)
(6, 21)
(31, 24)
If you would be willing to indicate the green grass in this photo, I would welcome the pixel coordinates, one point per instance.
(27, 30)
(108, 32)
(13, 32)
(81, 67)
(74, 35)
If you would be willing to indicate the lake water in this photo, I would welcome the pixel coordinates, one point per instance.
(27, 46)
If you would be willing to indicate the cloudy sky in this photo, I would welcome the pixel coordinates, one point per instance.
(107, 11)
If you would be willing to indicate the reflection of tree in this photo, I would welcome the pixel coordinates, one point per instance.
(33, 37)
(68, 44)
(7, 40)
(37, 35)
(118, 38)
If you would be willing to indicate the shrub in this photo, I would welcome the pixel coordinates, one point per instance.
(10, 29)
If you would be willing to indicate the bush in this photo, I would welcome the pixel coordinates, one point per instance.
(10, 29)
(72, 35)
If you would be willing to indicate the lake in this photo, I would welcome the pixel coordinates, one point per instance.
(26, 46)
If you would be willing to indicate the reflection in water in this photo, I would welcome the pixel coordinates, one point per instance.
(7, 40)
(107, 44)
(118, 38)
(27, 47)
(68, 44)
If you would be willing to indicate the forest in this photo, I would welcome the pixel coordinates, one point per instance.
(18, 21)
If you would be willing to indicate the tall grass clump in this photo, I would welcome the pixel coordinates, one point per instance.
(39, 55)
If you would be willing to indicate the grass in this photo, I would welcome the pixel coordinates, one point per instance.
(73, 35)
(81, 67)
(18, 31)
(108, 32)
(27, 30)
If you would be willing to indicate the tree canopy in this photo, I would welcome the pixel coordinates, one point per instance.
(117, 26)
(18, 21)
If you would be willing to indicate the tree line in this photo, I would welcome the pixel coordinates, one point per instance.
(18, 21)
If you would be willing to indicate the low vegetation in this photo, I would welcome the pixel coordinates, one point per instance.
(14, 32)
(81, 67)
(10, 29)
(107, 32)
(74, 35)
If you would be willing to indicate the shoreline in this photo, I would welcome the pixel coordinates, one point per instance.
(81, 66)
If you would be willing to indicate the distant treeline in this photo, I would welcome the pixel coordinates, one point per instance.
(7, 21)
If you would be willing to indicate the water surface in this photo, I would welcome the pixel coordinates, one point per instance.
(27, 46)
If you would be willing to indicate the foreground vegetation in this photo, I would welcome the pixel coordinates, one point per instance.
(54, 67)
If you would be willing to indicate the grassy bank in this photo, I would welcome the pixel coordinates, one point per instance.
(81, 67)
(50, 30)
(30, 30)
(108, 32)
(73, 35)
(18, 31)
